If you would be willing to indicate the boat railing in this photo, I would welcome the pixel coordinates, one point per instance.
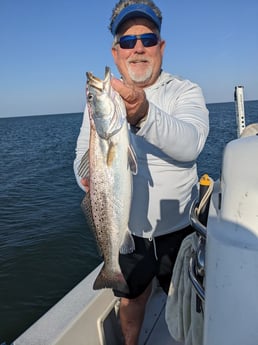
(196, 269)
(198, 218)
(195, 222)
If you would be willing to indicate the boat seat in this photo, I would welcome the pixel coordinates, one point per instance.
(250, 130)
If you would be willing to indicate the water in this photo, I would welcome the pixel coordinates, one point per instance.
(45, 245)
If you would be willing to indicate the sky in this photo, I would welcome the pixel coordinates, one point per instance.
(46, 47)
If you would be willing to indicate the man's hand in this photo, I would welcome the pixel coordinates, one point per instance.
(85, 183)
(135, 101)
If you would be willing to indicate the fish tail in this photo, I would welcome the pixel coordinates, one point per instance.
(112, 280)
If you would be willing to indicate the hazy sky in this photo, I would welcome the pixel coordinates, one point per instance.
(46, 46)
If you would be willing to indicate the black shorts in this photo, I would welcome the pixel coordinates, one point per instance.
(151, 258)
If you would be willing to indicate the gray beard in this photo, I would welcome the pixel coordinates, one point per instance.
(140, 78)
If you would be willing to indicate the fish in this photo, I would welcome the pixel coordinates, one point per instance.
(108, 165)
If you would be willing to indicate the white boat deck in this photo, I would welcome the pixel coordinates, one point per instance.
(88, 317)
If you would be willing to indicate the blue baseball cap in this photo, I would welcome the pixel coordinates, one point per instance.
(135, 11)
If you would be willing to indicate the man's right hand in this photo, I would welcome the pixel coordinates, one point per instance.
(86, 184)
(135, 101)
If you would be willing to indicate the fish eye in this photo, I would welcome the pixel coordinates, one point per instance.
(90, 97)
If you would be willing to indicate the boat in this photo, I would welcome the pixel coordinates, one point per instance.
(222, 270)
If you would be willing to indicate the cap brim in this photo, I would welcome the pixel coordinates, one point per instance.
(135, 11)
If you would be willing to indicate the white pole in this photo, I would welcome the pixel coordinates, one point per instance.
(240, 109)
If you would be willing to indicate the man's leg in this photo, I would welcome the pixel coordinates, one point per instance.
(131, 316)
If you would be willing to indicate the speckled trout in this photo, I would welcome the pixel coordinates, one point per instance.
(108, 166)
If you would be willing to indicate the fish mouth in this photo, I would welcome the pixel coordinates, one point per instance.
(96, 82)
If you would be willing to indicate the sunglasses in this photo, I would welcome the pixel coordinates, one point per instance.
(129, 41)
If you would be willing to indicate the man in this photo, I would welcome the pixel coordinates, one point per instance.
(169, 126)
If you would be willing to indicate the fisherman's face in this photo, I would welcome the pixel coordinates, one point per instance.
(140, 65)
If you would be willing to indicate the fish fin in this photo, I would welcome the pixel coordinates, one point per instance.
(128, 245)
(132, 160)
(87, 210)
(83, 169)
(111, 153)
(110, 280)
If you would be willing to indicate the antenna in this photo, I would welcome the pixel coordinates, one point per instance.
(240, 109)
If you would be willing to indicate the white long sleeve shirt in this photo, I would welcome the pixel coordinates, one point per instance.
(167, 146)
